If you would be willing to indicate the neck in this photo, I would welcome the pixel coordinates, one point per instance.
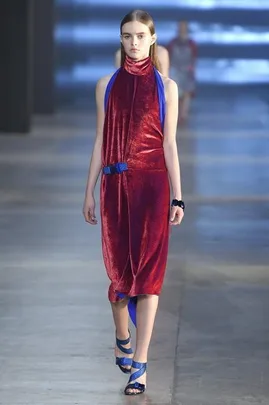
(138, 67)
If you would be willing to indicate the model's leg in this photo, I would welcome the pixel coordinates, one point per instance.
(185, 106)
(121, 320)
(145, 316)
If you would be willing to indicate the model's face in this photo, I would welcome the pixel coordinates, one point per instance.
(136, 40)
(183, 29)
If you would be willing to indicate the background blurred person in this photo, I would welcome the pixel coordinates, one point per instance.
(163, 57)
(183, 51)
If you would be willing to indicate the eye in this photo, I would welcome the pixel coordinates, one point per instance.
(126, 36)
(140, 36)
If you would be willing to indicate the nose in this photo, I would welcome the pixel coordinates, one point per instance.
(134, 41)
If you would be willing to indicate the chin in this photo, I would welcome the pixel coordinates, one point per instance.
(132, 55)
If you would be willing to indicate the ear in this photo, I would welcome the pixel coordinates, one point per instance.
(153, 39)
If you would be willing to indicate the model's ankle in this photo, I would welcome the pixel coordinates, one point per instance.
(140, 358)
(122, 335)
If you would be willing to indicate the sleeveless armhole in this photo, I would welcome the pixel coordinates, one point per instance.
(109, 87)
(161, 96)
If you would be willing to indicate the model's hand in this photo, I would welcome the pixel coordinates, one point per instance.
(89, 210)
(176, 215)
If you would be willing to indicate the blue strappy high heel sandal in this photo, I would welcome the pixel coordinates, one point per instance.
(122, 362)
(140, 388)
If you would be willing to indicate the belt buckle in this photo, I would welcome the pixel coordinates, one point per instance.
(113, 169)
(116, 168)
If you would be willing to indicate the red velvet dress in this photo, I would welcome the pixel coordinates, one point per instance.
(135, 203)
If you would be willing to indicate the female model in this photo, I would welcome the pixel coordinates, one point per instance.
(136, 150)
(183, 53)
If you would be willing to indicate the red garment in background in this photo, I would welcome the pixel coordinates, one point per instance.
(191, 44)
(183, 55)
(134, 204)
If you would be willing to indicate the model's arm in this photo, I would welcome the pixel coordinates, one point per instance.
(163, 56)
(118, 59)
(96, 158)
(170, 147)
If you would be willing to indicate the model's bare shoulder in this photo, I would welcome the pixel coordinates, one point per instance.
(163, 57)
(100, 89)
(171, 89)
(162, 51)
(169, 84)
(103, 82)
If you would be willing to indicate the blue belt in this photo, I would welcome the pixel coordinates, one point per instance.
(116, 168)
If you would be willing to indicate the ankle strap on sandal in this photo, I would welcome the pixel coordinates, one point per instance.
(120, 343)
(142, 367)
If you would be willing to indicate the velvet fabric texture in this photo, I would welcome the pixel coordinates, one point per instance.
(134, 204)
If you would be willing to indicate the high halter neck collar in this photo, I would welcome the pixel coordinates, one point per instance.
(139, 68)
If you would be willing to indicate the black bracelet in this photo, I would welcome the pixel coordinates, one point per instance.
(178, 203)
